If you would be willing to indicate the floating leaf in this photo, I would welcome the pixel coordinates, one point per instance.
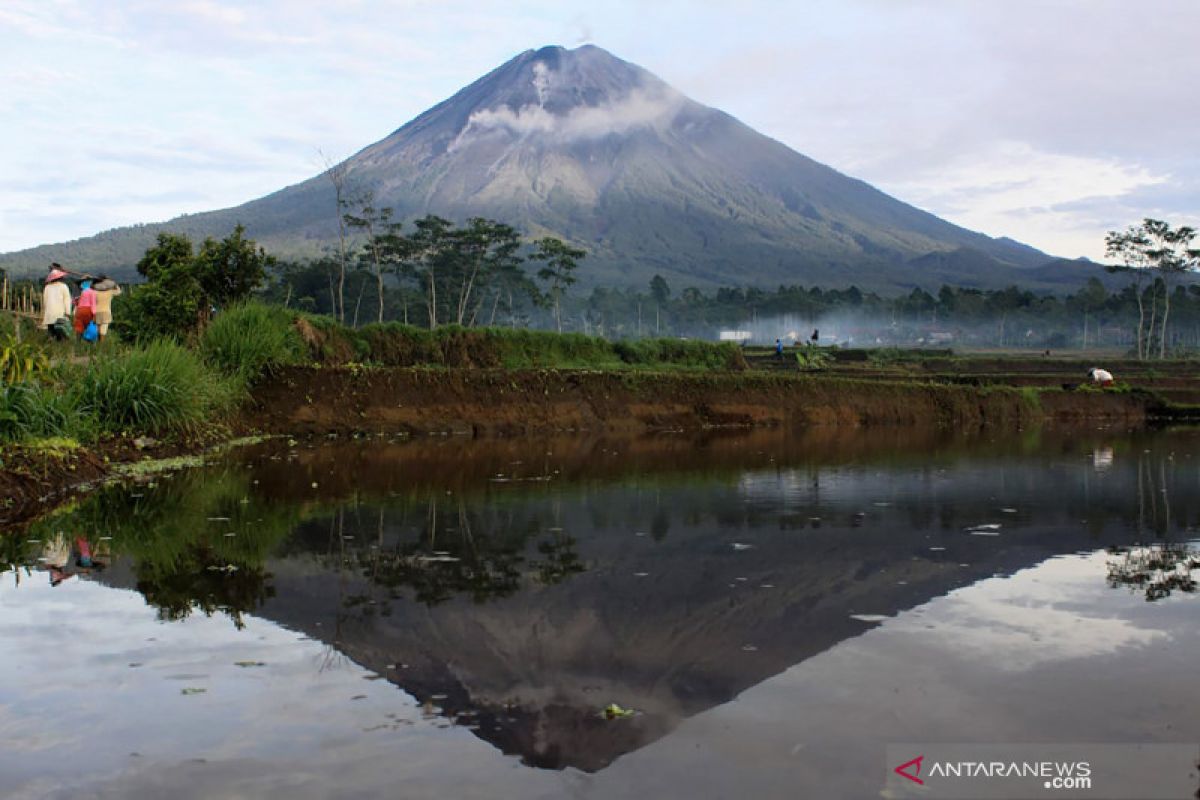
(614, 711)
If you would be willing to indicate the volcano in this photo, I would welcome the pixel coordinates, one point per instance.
(582, 145)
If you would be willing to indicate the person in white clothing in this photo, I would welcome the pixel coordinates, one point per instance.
(56, 305)
(1100, 377)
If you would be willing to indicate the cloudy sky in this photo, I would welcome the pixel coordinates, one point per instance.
(1050, 121)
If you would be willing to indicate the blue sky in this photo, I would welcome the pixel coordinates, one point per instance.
(1049, 121)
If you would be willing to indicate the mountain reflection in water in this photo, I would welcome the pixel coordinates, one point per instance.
(519, 587)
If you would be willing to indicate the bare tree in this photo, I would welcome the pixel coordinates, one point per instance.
(337, 174)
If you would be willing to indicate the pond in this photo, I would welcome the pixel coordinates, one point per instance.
(735, 614)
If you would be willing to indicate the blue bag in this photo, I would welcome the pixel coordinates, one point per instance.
(91, 333)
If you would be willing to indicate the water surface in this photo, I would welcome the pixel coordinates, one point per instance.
(331, 618)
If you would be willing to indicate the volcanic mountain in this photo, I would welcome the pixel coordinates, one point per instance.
(585, 146)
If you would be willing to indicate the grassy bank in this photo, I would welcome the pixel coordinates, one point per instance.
(394, 345)
(158, 389)
(83, 394)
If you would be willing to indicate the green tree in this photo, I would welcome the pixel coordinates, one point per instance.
(1157, 251)
(561, 261)
(660, 290)
(381, 232)
(183, 286)
(1090, 299)
(230, 269)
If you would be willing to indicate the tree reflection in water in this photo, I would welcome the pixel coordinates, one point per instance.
(1156, 569)
(474, 552)
(1161, 568)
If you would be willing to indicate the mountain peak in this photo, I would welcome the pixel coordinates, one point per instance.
(581, 144)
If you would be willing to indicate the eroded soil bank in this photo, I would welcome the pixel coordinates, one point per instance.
(497, 402)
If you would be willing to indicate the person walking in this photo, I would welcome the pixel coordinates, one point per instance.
(85, 307)
(779, 349)
(56, 305)
(106, 289)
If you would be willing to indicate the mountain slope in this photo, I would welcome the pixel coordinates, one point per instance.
(580, 144)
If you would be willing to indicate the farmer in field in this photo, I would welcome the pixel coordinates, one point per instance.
(85, 308)
(779, 349)
(56, 304)
(106, 289)
(1100, 377)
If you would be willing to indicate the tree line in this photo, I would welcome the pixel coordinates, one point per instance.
(438, 272)
(482, 272)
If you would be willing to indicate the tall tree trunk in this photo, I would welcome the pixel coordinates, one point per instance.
(432, 301)
(379, 283)
(341, 287)
(1141, 323)
(495, 305)
(1162, 340)
(362, 284)
(1150, 329)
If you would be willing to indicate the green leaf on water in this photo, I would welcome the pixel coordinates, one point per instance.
(614, 711)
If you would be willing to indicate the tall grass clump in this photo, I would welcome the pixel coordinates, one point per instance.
(524, 349)
(250, 339)
(679, 352)
(159, 388)
(31, 410)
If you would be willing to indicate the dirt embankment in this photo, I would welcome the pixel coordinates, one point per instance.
(33, 480)
(497, 402)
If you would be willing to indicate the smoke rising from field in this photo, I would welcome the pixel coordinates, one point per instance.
(852, 329)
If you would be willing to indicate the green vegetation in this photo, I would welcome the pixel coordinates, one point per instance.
(1164, 254)
(20, 360)
(160, 388)
(439, 274)
(395, 345)
(250, 339)
(183, 287)
(32, 410)
(812, 358)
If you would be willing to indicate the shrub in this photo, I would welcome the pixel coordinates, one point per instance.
(161, 387)
(812, 358)
(250, 339)
(679, 352)
(20, 361)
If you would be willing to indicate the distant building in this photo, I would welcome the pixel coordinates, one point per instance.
(734, 336)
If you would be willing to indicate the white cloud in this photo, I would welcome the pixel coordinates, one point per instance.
(1013, 189)
(1084, 116)
(638, 109)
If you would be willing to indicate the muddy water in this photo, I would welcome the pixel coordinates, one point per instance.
(450, 618)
